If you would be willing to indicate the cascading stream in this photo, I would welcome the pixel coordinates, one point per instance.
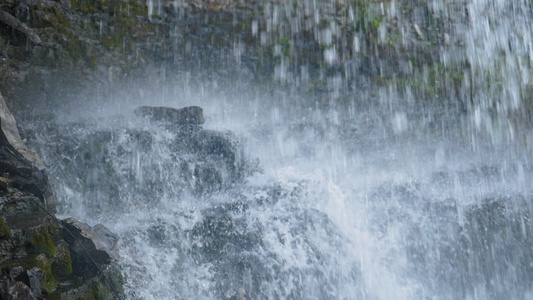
(390, 193)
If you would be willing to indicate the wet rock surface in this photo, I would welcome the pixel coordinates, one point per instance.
(21, 167)
(39, 258)
(191, 115)
(98, 241)
(107, 163)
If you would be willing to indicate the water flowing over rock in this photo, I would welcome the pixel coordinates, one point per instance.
(192, 115)
(365, 149)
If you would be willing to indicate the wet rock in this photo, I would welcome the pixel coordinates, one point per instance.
(54, 266)
(208, 179)
(15, 290)
(11, 134)
(5, 231)
(220, 234)
(99, 242)
(105, 239)
(22, 11)
(16, 273)
(62, 264)
(36, 279)
(15, 23)
(22, 166)
(20, 210)
(97, 288)
(191, 115)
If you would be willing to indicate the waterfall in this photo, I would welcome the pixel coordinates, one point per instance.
(394, 166)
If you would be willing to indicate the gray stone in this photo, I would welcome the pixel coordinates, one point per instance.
(98, 241)
(20, 210)
(16, 290)
(105, 240)
(36, 276)
(190, 115)
(15, 272)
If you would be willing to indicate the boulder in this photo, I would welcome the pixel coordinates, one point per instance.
(98, 241)
(36, 278)
(190, 115)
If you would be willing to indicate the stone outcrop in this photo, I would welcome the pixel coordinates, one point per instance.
(40, 257)
(98, 241)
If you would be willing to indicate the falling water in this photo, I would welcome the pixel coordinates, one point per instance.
(405, 177)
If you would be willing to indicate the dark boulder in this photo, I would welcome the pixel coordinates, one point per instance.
(191, 115)
(98, 242)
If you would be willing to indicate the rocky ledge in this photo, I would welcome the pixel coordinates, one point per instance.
(41, 256)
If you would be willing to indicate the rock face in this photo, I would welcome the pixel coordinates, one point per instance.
(39, 257)
(99, 241)
(20, 166)
(191, 115)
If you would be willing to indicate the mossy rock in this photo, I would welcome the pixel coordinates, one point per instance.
(5, 232)
(98, 287)
(41, 239)
(62, 263)
(45, 264)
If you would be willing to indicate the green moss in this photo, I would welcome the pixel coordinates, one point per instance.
(50, 281)
(86, 6)
(136, 8)
(54, 17)
(96, 291)
(74, 49)
(62, 264)
(5, 232)
(92, 62)
(285, 44)
(130, 8)
(111, 43)
(41, 241)
(60, 17)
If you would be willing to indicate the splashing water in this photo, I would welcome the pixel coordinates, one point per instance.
(383, 192)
